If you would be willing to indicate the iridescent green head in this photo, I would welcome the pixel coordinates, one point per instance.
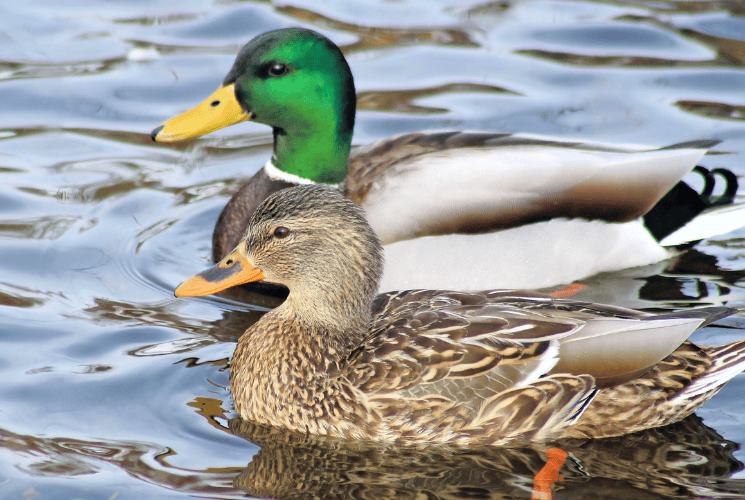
(296, 81)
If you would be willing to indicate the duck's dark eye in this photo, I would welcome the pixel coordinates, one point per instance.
(277, 69)
(215, 103)
(281, 232)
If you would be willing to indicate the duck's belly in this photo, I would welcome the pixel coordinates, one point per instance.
(532, 256)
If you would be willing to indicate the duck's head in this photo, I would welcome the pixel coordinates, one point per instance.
(294, 80)
(314, 241)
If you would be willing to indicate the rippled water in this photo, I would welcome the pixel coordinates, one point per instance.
(112, 388)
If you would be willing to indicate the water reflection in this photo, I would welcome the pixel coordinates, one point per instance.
(402, 101)
(713, 109)
(196, 334)
(63, 457)
(378, 37)
(685, 460)
(691, 279)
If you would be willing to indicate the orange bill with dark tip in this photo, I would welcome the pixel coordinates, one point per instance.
(233, 270)
(219, 110)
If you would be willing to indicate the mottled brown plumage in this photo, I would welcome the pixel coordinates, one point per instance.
(498, 367)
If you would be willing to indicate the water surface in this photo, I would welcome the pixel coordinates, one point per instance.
(113, 388)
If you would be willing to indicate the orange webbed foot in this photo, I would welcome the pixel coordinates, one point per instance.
(548, 475)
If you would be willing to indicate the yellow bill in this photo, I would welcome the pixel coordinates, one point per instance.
(219, 110)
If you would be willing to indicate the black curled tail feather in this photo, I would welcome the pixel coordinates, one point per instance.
(682, 203)
(730, 190)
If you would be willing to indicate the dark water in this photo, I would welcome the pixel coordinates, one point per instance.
(112, 388)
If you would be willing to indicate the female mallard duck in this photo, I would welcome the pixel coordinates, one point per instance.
(499, 367)
(473, 193)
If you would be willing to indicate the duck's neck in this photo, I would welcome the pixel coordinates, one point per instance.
(297, 349)
(343, 328)
(318, 153)
(305, 339)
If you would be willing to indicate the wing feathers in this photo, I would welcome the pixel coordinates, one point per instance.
(493, 366)
(538, 411)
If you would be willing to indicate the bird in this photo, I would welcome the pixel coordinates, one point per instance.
(602, 207)
(497, 368)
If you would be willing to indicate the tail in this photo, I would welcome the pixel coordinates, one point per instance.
(684, 215)
(694, 374)
(713, 222)
(675, 388)
(727, 362)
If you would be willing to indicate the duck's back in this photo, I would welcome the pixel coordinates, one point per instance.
(461, 182)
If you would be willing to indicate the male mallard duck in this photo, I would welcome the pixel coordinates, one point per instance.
(472, 193)
(499, 367)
